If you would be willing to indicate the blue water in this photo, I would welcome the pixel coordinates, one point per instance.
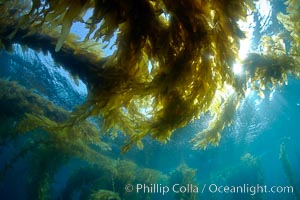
(247, 156)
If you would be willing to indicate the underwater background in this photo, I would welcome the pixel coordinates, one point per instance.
(260, 148)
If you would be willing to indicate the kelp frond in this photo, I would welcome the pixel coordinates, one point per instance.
(222, 118)
(166, 71)
(34, 112)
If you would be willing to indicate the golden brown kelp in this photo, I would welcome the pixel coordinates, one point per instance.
(224, 114)
(173, 61)
(17, 100)
(188, 65)
(290, 21)
(268, 72)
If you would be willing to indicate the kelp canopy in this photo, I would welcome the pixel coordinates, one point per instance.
(172, 64)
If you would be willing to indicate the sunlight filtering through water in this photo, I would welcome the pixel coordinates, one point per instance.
(265, 11)
(48, 79)
(257, 122)
(264, 8)
(245, 44)
(76, 84)
(80, 30)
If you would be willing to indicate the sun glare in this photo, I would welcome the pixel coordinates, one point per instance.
(237, 68)
(247, 26)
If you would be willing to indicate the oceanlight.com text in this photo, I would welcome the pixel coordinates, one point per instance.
(207, 188)
(249, 189)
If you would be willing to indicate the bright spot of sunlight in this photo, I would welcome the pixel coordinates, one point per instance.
(247, 27)
(237, 68)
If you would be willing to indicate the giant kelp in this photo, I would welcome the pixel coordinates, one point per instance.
(31, 111)
(46, 147)
(171, 66)
(287, 167)
(187, 176)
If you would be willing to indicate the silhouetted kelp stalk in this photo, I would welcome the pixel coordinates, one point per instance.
(287, 167)
(191, 53)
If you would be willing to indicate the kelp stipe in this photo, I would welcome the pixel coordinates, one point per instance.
(288, 170)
